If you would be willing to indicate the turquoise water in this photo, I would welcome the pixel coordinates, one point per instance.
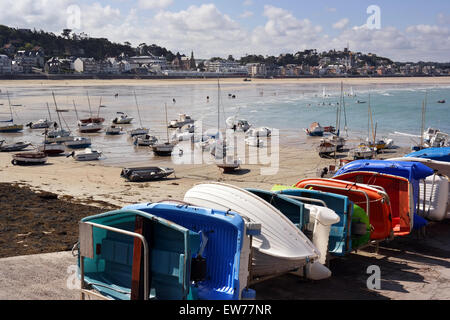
(397, 109)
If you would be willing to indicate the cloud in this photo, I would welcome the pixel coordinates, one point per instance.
(154, 4)
(246, 14)
(443, 18)
(341, 24)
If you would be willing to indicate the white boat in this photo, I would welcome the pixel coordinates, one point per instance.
(145, 140)
(86, 155)
(434, 198)
(281, 246)
(58, 133)
(17, 146)
(229, 164)
(78, 143)
(41, 124)
(59, 139)
(363, 152)
(315, 130)
(181, 121)
(89, 127)
(238, 125)
(122, 119)
(163, 149)
(113, 130)
(326, 148)
(29, 158)
(259, 132)
(10, 126)
(139, 132)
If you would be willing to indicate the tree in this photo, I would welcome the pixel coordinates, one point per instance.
(66, 33)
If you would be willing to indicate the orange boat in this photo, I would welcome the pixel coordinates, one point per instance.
(373, 200)
(399, 191)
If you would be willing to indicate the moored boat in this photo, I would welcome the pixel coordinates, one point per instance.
(142, 174)
(17, 146)
(86, 155)
(113, 130)
(29, 158)
(78, 143)
(315, 130)
(52, 149)
(122, 119)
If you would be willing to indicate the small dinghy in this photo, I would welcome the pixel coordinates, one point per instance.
(350, 232)
(312, 220)
(86, 155)
(188, 261)
(437, 154)
(122, 119)
(259, 132)
(363, 152)
(163, 149)
(78, 143)
(326, 148)
(228, 164)
(226, 239)
(434, 197)
(17, 146)
(29, 158)
(113, 130)
(143, 174)
(41, 124)
(90, 127)
(52, 149)
(145, 140)
(139, 132)
(315, 130)
(181, 121)
(374, 201)
(400, 194)
(280, 248)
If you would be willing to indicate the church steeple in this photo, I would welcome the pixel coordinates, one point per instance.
(192, 64)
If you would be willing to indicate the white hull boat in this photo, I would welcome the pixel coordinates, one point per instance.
(86, 155)
(434, 198)
(18, 146)
(182, 121)
(41, 124)
(163, 149)
(58, 133)
(122, 119)
(113, 130)
(59, 139)
(139, 132)
(89, 127)
(29, 158)
(259, 132)
(280, 248)
(238, 125)
(78, 143)
(145, 140)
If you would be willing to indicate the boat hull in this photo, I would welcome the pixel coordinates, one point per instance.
(12, 128)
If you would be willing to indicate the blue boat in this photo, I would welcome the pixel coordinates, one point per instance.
(340, 241)
(413, 171)
(223, 235)
(130, 254)
(437, 154)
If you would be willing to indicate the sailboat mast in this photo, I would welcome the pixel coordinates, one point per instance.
(49, 115)
(167, 127)
(218, 106)
(135, 99)
(89, 103)
(10, 108)
(76, 112)
(56, 107)
(99, 106)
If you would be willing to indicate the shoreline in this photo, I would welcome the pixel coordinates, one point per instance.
(183, 81)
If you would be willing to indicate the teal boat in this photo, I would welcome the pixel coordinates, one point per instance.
(165, 251)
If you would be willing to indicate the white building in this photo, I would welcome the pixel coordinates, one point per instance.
(225, 66)
(151, 61)
(86, 65)
(5, 64)
(256, 69)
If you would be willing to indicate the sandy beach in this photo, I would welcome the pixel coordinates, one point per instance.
(157, 82)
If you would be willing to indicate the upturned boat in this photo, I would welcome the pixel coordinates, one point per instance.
(280, 248)
(374, 201)
(142, 174)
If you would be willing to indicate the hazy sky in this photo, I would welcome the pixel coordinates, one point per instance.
(409, 30)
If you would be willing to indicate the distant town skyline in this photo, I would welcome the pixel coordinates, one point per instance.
(409, 31)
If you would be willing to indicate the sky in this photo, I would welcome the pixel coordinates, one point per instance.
(413, 30)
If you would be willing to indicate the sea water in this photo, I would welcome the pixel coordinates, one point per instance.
(288, 107)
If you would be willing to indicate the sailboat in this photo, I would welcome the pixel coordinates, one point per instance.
(42, 123)
(91, 119)
(56, 135)
(164, 149)
(51, 149)
(365, 150)
(10, 127)
(139, 131)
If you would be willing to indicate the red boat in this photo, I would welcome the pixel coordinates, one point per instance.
(374, 201)
(400, 195)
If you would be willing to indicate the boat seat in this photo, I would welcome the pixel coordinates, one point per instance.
(115, 280)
